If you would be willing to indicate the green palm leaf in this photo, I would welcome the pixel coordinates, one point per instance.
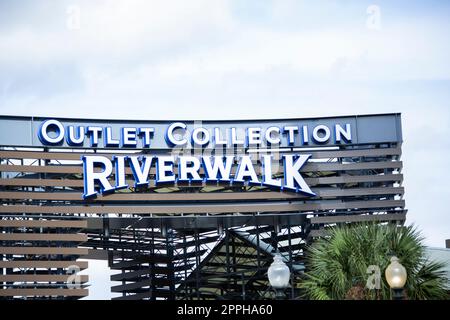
(337, 264)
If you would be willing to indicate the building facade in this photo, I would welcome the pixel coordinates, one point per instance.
(185, 209)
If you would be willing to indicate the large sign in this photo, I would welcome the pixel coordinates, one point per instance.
(216, 168)
(207, 135)
(52, 132)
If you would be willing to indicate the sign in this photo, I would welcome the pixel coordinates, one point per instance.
(178, 134)
(216, 168)
(164, 144)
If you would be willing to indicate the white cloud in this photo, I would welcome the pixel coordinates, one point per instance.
(99, 284)
(113, 30)
(207, 59)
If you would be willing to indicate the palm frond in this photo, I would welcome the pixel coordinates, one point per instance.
(339, 262)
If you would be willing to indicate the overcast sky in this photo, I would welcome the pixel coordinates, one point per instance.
(229, 59)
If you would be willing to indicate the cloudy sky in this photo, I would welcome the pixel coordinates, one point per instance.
(229, 59)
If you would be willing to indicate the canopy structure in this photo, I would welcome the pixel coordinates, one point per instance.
(183, 240)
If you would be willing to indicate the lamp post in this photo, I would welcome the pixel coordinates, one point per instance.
(279, 275)
(396, 277)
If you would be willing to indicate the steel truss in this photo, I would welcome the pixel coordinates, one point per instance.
(184, 241)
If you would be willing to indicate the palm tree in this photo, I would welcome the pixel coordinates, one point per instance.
(337, 265)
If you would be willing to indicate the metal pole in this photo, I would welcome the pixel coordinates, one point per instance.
(397, 294)
(279, 294)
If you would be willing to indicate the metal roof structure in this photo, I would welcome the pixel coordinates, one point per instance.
(183, 241)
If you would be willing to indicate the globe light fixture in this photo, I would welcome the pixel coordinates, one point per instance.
(396, 277)
(279, 276)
